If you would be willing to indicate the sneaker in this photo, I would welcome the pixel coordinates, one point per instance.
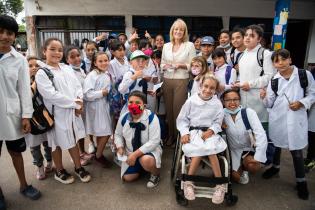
(3, 205)
(244, 179)
(31, 192)
(218, 195)
(270, 172)
(153, 181)
(83, 174)
(87, 156)
(91, 148)
(189, 191)
(49, 167)
(40, 173)
(64, 177)
(103, 162)
(302, 190)
(83, 161)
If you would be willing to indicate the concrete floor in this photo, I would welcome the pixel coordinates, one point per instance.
(106, 190)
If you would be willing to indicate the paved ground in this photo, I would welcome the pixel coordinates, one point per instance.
(106, 191)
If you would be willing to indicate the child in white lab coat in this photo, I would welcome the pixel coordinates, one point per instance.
(137, 136)
(73, 58)
(199, 123)
(63, 98)
(35, 141)
(223, 71)
(97, 117)
(246, 155)
(288, 103)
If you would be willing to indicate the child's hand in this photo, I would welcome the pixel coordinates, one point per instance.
(105, 92)
(263, 93)
(294, 106)
(78, 112)
(221, 88)
(146, 78)
(147, 35)
(207, 134)
(151, 93)
(120, 151)
(245, 86)
(167, 66)
(131, 160)
(185, 139)
(138, 74)
(26, 125)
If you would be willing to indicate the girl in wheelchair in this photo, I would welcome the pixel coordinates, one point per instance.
(199, 123)
(247, 154)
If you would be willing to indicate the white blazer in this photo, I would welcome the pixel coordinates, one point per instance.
(287, 128)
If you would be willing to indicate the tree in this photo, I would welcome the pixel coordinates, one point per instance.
(11, 7)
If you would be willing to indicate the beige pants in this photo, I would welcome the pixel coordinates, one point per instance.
(175, 95)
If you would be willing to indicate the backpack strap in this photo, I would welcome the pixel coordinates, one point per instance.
(260, 59)
(232, 55)
(274, 85)
(151, 117)
(228, 71)
(245, 119)
(303, 79)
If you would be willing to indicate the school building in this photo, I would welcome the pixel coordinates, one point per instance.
(72, 21)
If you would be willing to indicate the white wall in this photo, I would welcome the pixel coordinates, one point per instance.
(238, 8)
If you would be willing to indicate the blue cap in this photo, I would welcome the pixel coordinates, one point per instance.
(207, 40)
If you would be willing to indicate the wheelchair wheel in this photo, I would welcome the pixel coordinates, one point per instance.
(180, 198)
(176, 160)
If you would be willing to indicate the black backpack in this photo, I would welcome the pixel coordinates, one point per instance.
(41, 121)
(302, 78)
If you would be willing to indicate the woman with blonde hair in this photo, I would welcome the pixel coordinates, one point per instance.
(176, 59)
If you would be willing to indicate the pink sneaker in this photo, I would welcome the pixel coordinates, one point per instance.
(189, 191)
(49, 167)
(218, 195)
(40, 173)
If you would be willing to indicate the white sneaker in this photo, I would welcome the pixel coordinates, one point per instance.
(218, 195)
(91, 148)
(244, 179)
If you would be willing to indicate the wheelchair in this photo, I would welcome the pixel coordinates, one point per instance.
(204, 185)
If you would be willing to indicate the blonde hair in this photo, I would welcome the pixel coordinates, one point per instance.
(181, 24)
(210, 77)
(204, 66)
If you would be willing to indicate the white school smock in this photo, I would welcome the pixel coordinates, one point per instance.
(151, 71)
(97, 115)
(199, 113)
(79, 73)
(15, 95)
(195, 87)
(123, 87)
(249, 71)
(311, 118)
(88, 64)
(219, 73)
(117, 70)
(68, 128)
(150, 138)
(239, 140)
(35, 140)
(288, 128)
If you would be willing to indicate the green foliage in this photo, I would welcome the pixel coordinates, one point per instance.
(22, 28)
(11, 7)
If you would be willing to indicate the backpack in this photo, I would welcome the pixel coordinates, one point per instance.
(270, 148)
(235, 60)
(125, 117)
(228, 71)
(303, 82)
(41, 121)
(115, 98)
(260, 59)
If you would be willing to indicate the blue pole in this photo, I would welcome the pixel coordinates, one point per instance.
(280, 24)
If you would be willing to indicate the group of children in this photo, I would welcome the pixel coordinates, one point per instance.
(80, 92)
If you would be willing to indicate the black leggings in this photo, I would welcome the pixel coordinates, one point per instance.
(311, 146)
(298, 162)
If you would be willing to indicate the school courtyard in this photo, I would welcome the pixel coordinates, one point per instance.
(106, 190)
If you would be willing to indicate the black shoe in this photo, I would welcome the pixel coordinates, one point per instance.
(270, 172)
(302, 190)
(2, 203)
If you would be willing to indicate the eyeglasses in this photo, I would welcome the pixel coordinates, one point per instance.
(232, 100)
